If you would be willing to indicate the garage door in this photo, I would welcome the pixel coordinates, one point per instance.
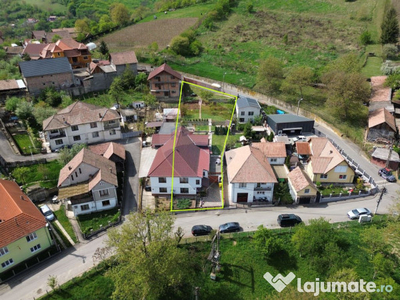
(305, 200)
(242, 197)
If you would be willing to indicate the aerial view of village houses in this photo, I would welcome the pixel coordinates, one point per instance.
(199, 149)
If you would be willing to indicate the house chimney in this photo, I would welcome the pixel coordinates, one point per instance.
(22, 197)
(69, 168)
(16, 221)
(110, 170)
(330, 151)
(100, 115)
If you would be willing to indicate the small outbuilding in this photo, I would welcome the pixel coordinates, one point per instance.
(380, 156)
(290, 124)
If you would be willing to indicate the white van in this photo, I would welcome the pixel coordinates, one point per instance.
(46, 211)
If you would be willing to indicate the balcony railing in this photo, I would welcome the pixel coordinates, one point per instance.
(109, 126)
(263, 188)
(57, 135)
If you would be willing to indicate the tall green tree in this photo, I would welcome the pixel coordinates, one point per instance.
(266, 242)
(119, 13)
(298, 77)
(390, 27)
(270, 75)
(150, 264)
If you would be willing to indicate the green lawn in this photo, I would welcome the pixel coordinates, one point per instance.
(217, 111)
(47, 5)
(47, 174)
(24, 142)
(218, 142)
(62, 218)
(97, 220)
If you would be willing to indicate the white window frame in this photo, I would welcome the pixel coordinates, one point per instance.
(306, 191)
(109, 203)
(323, 176)
(77, 138)
(3, 251)
(343, 177)
(58, 142)
(95, 134)
(113, 132)
(242, 185)
(182, 192)
(84, 205)
(74, 128)
(166, 190)
(36, 248)
(340, 169)
(31, 237)
(7, 263)
(103, 193)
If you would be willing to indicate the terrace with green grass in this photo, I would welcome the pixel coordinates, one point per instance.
(64, 221)
(95, 221)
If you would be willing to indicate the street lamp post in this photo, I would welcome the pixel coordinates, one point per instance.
(30, 149)
(223, 82)
(298, 105)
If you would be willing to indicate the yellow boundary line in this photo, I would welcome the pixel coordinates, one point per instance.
(222, 153)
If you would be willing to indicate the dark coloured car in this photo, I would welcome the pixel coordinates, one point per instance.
(147, 188)
(385, 173)
(201, 230)
(288, 220)
(229, 227)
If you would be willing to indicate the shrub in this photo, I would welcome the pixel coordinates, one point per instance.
(366, 38)
(183, 203)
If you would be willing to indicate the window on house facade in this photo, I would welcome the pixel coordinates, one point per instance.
(163, 190)
(259, 185)
(85, 57)
(105, 203)
(274, 159)
(7, 263)
(54, 131)
(77, 138)
(197, 181)
(95, 134)
(74, 128)
(342, 177)
(242, 113)
(184, 180)
(184, 190)
(162, 180)
(158, 78)
(3, 251)
(103, 193)
(31, 237)
(172, 77)
(341, 169)
(93, 125)
(242, 185)
(85, 207)
(324, 176)
(251, 113)
(241, 120)
(111, 122)
(59, 142)
(306, 191)
(113, 132)
(173, 92)
(35, 248)
(76, 174)
(44, 83)
(80, 171)
(72, 177)
(173, 85)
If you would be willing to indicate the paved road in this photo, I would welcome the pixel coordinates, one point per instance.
(131, 188)
(65, 266)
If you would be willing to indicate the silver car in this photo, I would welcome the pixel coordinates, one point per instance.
(356, 213)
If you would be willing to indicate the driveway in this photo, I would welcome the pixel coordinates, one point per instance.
(131, 188)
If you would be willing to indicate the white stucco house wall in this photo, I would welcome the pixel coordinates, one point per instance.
(247, 109)
(88, 183)
(191, 165)
(82, 123)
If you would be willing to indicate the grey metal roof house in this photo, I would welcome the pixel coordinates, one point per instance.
(41, 67)
(290, 124)
(247, 102)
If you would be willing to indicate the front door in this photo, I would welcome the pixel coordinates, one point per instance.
(242, 197)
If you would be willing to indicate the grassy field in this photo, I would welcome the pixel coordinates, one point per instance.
(36, 174)
(217, 111)
(24, 142)
(47, 5)
(243, 267)
(62, 218)
(97, 220)
(218, 142)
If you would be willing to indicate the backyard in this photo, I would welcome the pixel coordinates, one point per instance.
(216, 111)
(95, 221)
(44, 174)
(63, 219)
(218, 142)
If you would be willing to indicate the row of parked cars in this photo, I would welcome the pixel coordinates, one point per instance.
(284, 220)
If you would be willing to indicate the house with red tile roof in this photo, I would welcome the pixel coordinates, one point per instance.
(182, 159)
(82, 123)
(302, 189)
(164, 83)
(88, 183)
(23, 228)
(250, 174)
(112, 151)
(326, 164)
(381, 126)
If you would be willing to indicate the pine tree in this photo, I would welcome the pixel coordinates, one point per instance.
(390, 27)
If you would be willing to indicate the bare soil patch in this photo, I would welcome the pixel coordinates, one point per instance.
(143, 34)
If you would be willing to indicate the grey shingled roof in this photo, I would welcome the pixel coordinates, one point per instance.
(284, 118)
(33, 68)
(246, 102)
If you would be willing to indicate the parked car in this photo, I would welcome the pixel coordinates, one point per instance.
(288, 220)
(356, 213)
(385, 173)
(46, 211)
(201, 230)
(229, 227)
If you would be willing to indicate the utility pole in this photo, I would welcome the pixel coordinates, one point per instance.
(379, 199)
(298, 105)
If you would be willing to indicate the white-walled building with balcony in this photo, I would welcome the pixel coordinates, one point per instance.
(250, 174)
(191, 165)
(82, 123)
(88, 183)
(247, 109)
